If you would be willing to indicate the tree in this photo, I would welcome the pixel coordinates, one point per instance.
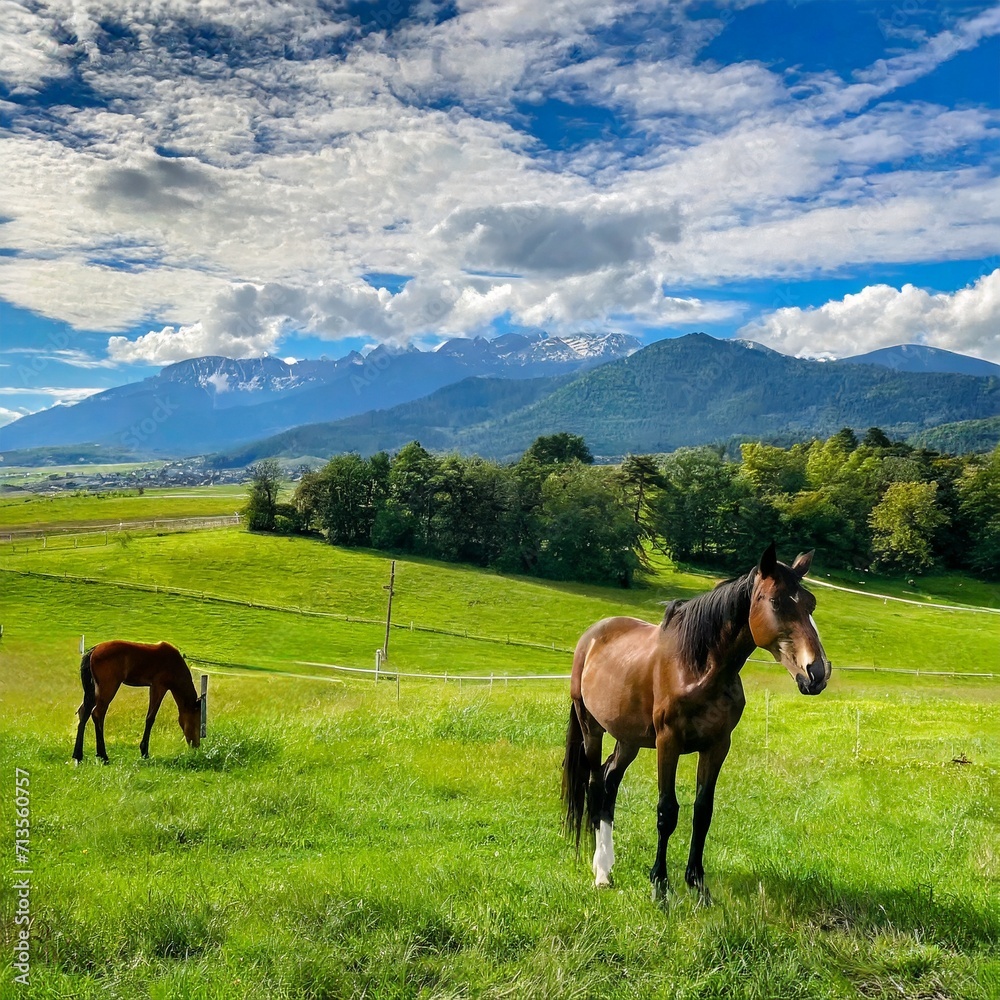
(903, 526)
(413, 486)
(825, 459)
(846, 439)
(558, 449)
(639, 478)
(520, 527)
(587, 533)
(470, 522)
(262, 495)
(772, 470)
(979, 506)
(695, 510)
(346, 513)
(875, 437)
(814, 519)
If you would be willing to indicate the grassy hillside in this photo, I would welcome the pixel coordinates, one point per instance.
(299, 573)
(329, 840)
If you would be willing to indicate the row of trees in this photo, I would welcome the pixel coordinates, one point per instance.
(554, 514)
(551, 514)
(873, 502)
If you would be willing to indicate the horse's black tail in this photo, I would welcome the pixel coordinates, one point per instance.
(87, 679)
(576, 777)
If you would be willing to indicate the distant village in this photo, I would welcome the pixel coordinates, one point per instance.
(176, 473)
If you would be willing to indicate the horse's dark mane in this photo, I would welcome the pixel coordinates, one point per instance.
(700, 621)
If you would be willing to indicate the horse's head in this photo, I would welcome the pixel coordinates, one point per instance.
(781, 620)
(190, 723)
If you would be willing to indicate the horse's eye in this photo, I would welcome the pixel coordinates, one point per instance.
(774, 603)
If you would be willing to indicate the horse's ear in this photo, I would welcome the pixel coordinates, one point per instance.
(802, 563)
(768, 561)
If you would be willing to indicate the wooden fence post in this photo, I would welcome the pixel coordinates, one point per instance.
(204, 705)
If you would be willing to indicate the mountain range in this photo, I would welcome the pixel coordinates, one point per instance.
(918, 358)
(493, 397)
(687, 391)
(210, 403)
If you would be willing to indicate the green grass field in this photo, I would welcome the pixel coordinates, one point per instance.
(333, 838)
(23, 512)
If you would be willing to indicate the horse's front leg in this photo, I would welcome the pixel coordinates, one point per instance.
(667, 754)
(156, 694)
(709, 765)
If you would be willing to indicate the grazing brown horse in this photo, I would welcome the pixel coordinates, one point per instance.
(158, 666)
(676, 687)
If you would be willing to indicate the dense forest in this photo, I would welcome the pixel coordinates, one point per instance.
(870, 503)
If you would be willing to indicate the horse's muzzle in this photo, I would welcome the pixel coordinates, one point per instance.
(814, 679)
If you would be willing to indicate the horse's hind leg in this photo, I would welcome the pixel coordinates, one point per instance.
(614, 770)
(103, 696)
(156, 694)
(83, 713)
(593, 737)
(89, 699)
(100, 711)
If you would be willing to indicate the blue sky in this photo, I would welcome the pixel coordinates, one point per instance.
(308, 178)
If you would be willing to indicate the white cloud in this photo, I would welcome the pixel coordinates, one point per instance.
(61, 394)
(51, 395)
(29, 54)
(966, 321)
(887, 75)
(9, 416)
(289, 178)
(164, 347)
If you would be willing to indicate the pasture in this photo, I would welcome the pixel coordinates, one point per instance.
(334, 837)
(22, 512)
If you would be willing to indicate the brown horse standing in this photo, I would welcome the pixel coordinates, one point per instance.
(676, 687)
(160, 667)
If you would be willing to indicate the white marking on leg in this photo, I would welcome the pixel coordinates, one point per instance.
(604, 855)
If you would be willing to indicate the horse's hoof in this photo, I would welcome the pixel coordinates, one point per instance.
(661, 891)
(603, 881)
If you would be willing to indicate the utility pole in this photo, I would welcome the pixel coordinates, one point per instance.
(388, 612)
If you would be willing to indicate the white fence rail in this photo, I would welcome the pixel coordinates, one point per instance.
(12, 536)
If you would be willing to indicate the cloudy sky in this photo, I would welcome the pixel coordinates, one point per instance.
(301, 178)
